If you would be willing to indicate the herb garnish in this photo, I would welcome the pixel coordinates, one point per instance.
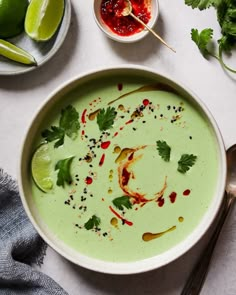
(94, 221)
(122, 202)
(164, 150)
(105, 118)
(226, 15)
(68, 125)
(186, 161)
(64, 175)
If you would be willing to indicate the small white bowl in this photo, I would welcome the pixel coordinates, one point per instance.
(125, 39)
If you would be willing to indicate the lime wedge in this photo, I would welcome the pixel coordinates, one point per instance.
(41, 168)
(15, 53)
(43, 18)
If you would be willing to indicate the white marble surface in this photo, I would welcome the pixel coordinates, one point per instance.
(86, 48)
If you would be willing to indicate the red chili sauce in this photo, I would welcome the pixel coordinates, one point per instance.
(111, 13)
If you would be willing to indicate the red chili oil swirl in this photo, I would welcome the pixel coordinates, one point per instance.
(111, 13)
(130, 223)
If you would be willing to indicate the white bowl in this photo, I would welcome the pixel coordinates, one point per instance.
(125, 39)
(156, 261)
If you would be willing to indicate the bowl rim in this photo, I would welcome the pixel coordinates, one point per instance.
(168, 256)
(126, 39)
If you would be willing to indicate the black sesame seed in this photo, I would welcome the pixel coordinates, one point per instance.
(155, 116)
(161, 115)
(144, 121)
(134, 129)
(190, 137)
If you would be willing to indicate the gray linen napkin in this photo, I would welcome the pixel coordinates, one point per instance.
(20, 247)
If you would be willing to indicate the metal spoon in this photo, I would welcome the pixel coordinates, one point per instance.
(128, 11)
(198, 275)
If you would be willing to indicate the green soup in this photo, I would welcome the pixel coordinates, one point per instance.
(144, 170)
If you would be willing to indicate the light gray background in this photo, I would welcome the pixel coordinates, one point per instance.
(86, 48)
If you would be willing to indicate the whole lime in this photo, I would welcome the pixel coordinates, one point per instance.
(12, 15)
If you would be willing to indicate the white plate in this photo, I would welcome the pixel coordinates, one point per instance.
(41, 51)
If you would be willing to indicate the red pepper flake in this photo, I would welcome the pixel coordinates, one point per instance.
(172, 197)
(120, 217)
(121, 128)
(83, 117)
(102, 160)
(103, 199)
(105, 145)
(160, 201)
(186, 192)
(115, 134)
(88, 180)
(129, 122)
(145, 102)
(120, 86)
(82, 132)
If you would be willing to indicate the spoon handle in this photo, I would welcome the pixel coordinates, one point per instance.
(197, 277)
(150, 30)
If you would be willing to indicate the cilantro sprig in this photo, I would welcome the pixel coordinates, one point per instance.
(186, 162)
(93, 222)
(68, 125)
(122, 202)
(64, 175)
(164, 150)
(226, 15)
(105, 118)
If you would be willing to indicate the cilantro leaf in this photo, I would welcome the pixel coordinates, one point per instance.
(122, 202)
(226, 16)
(68, 125)
(56, 133)
(105, 118)
(94, 221)
(186, 161)
(202, 39)
(164, 150)
(201, 4)
(69, 121)
(64, 175)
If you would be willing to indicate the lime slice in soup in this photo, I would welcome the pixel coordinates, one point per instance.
(43, 18)
(41, 168)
